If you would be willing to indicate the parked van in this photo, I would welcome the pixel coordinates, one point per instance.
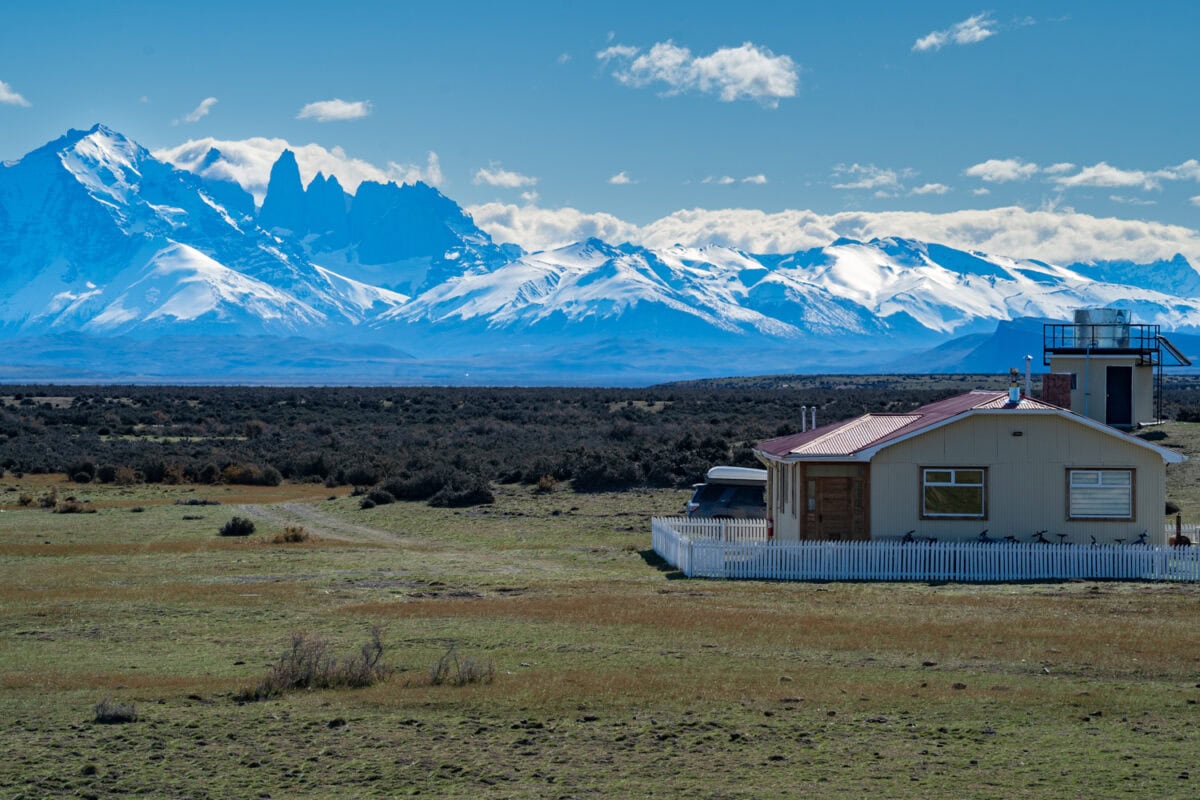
(730, 493)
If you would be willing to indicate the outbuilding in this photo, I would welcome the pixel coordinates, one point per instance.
(989, 461)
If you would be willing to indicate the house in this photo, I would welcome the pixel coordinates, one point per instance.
(984, 460)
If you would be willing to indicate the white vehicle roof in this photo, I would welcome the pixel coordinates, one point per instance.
(746, 476)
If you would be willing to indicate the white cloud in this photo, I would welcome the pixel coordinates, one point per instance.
(931, 188)
(335, 110)
(1188, 170)
(620, 179)
(869, 176)
(529, 197)
(248, 163)
(1061, 236)
(1196, 200)
(431, 173)
(758, 179)
(748, 72)
(617, 51)
(10, 96)
(199, 112)
(1131, 201)
(494, 175)
(537, 228)
(1103, 174)
(970, 31)
(1002, 170)
(564, 58)
(1059, 168)
(981, 191)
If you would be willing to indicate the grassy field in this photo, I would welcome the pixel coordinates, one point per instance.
(613, 677)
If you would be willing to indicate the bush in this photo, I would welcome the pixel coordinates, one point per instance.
(454, 671)
(366, 503)
(111, 713)
(73, 506)
(251, 475)
(292, 534)
(238, 526)
(546, 484)
(197, 501)
(380, 497)
(476, 493)
(308, 664)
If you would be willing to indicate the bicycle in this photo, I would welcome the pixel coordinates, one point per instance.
(1040, 538)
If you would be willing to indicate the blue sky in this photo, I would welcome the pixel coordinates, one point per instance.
(638, 110)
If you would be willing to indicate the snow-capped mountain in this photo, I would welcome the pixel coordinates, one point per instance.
(100, 237)
(97, 235)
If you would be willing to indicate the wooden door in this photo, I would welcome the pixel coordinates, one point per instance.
(839, 509)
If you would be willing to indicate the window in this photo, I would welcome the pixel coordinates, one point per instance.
(953, 493)
(1100, 493)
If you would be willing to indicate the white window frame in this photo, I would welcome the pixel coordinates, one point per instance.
(1114, 486)
(954, 482)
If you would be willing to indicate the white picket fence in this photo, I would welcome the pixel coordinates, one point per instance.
(692, 547)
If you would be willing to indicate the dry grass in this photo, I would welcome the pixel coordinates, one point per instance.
(611, 677)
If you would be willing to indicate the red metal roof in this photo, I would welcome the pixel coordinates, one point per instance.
(846, 438)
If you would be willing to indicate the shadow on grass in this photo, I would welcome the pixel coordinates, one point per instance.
(653, 559)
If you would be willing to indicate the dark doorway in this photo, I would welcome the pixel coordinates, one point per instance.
(1118, 402)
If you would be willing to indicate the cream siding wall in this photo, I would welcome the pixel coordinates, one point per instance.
(784, 505)
(1091, 385)
(1026, 481)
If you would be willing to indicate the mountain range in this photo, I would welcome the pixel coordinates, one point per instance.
(117, 265)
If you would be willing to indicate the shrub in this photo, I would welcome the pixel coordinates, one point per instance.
(475, 493)
(49, 499)
(366, 503)
(308, 664)
(380, 497)
(196, 501)
(137, 509)
(112, 713)
(251, 475)
(292, 534)
(73, 506)
(546, 484)
(454, 671)
(238, 526)
(361, 475)
(82, 471)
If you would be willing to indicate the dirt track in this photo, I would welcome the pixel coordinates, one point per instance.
(317, 522)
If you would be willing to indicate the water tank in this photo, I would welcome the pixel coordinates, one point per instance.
(1101, 327)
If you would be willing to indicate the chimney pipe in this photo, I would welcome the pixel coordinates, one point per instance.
(803, 418)
(1028, 376)
(814, 418)
(1014, 393)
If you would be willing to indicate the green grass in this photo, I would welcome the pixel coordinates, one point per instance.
(614, 678)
